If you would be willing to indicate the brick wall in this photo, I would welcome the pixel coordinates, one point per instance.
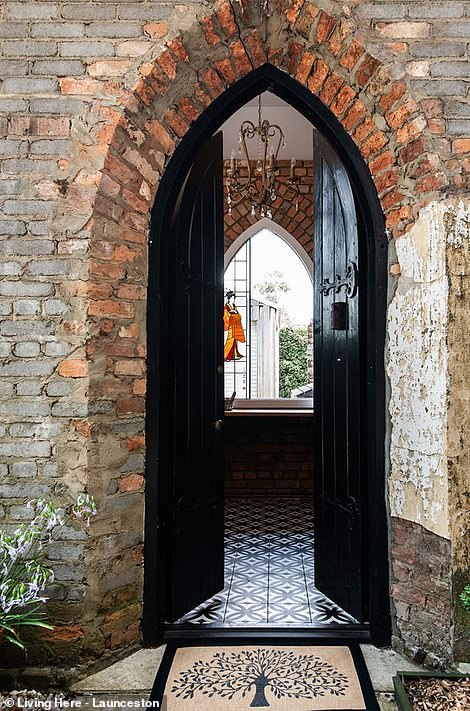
(269, 456)
(93, 100)
(422, 590)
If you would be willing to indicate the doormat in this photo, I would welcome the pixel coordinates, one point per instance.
(232, 676)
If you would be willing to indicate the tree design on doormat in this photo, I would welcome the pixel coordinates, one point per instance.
(285, 673)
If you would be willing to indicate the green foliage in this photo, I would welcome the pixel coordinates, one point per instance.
(274, 285)
(465, 597)
(293, 369)
(24, 572)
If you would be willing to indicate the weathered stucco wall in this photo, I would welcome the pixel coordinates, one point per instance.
(429, 368)
(417, 368)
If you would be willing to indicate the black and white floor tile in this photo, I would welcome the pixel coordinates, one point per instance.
(269, 570)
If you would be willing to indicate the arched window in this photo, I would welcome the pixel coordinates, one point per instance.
(268, 319)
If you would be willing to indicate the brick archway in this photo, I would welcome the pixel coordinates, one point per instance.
(136, 133)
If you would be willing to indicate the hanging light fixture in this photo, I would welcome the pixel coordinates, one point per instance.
(259, 187)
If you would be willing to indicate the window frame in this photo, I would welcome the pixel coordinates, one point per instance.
(271, 404)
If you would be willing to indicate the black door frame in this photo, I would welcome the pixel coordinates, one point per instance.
(372, 236)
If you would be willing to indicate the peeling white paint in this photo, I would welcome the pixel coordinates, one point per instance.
(417, 368)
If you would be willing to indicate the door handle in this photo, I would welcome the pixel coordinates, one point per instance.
(217, 425)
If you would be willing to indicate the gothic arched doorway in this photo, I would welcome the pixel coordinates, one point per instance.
(344, 194)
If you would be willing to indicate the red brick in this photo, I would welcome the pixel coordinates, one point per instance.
(187, 108)
(461, 145)
(386, 180)
(108, 207)
(179, 50)
(226, 19)
(431, 183)
(132, 405)
(139, 386)
(397, 47)
(305, 66)
(355, 114)
(161, 135)
(64, 633)
(240, 58)
(83, 427)
(70, 85)
(145, 93)
(111, 308)
(396, 92)
(130, 330)
(306, 20)
(225, 69)
(135, 442)
(167, 63)
(123, 253)
(256, 49)
(293, 9)
(294, 53)
(131, 482)
(109, 68)
(437, 125)
(156, 30)
(129, 367)
(318, 76)
(209, 31)
(402, 113)
(344, 98)
(99, 291)
(213, 82)
(106, 327)
(368, 67)
(330, 88)
(131, 198)
(340, 33)
(324, 26)
(176, 122)
(411, 129)
(364, 130)
(432, 108)
(73, 368)
(394, 197)
(381, 162)
(352, 55)
(373, 144)
(47, 126)
(412, 151)
(132, 292)
(395, 216)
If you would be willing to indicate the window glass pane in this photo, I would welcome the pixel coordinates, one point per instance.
(269, 293)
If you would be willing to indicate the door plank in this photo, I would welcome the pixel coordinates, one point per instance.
(197, 530)
(337, 391)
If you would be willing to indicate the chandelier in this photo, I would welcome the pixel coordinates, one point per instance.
(257, 183)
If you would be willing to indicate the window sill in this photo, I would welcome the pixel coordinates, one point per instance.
(273, 412)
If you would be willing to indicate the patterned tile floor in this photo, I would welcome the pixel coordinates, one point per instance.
(269, 560)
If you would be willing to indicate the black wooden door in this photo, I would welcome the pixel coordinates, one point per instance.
(337, 385)
(197, 530)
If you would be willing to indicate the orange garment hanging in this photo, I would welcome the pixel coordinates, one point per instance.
(235, 335)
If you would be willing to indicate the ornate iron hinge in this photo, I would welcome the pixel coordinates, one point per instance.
(348, 282)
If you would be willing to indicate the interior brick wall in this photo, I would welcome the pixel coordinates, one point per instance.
(269, 456)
